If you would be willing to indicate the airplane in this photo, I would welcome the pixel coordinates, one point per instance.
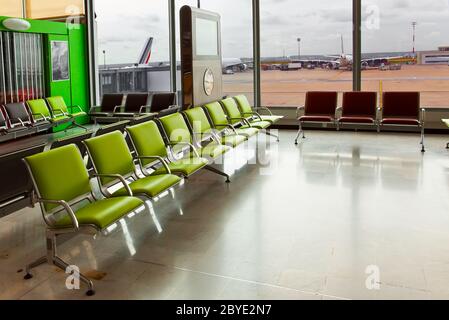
(345, 61)
(231, 65)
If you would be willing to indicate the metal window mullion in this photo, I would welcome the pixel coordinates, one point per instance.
(3, 67)
(172, 37)
(357, 45)
(8, 56)
(256, 52)
(22, 71)
(41, 67)
(26, 66)
(35, 65)
(30, 46)
(16, 67)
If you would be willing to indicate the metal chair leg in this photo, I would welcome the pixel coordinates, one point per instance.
(268, 133)
(423, 149)
(297, 136)
(221, 173)
(33, 265)
(64, 265)
(53, 259)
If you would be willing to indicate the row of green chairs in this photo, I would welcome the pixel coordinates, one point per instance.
(55, 111)
(166, 150)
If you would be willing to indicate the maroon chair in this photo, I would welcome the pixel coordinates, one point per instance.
(403, 109)
(359, 108)
(319, 108)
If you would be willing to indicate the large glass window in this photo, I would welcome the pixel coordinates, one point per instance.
(405, 47)
(128, 60)
(43, 9)
(305, 46)
(11, 8)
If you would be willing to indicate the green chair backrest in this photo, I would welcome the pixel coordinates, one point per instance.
(198, 120)
(243, 103)
(147, 141)
(176, 128)
(217, 114)
(110, 154)
(38, 107)
(57, 104)
(232, 109)
(59, 174)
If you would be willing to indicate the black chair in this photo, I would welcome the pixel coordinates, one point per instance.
(7, 132)
(135, 104)
(110, 103)
(162, 101)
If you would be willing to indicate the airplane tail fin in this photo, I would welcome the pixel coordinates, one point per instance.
(145, 55)
(342, 45)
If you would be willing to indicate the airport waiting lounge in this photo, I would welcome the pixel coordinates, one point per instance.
(224, 150)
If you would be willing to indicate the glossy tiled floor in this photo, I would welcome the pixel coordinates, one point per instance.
(303, 223)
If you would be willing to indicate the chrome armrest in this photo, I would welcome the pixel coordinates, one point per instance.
(423, 116)
(17, 120)
(298, 110)
(116, 107)
(241, 119)
(77, 107)
(59, 112)
(164, 163)
(116, 176)
(40, 115)
(192, 147)
(92, 109)
(66, 207)
(144, 108)
(265, 109)
(227, 126)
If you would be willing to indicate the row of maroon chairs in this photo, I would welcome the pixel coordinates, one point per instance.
(361, 108)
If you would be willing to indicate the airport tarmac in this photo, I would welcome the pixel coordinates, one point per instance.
(285, 88)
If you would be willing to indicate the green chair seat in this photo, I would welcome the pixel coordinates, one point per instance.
(213, 150)
(79, 114)
(258, 125)
(272, 119)
(186, 167)
(249, 132)
(103, 213)
(151, 186)
(60, 119)
(233, 140)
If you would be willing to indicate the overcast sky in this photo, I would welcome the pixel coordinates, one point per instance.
(123, 26)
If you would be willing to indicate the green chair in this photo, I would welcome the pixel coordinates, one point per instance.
(41, 112)
(110, 155)
(201, 127)
(62, 186)
(221, 122)
(234, 113)
(147, 141)
(58, 106)
(178, 136)
(248, 111)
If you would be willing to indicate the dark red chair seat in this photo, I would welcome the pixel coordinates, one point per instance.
(401, 121)
(316, 118)
(359, 107)
(356, 119)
